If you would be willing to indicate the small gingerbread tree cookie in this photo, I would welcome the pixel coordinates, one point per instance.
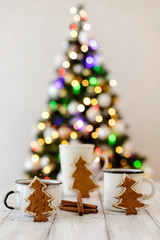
(82, 178)
(129, 199)
(39, 201)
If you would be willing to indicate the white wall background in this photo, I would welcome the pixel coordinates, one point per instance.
(32, 32)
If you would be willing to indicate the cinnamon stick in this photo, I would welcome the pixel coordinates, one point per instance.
(74, 204)
(87, 211)
(75, 209)
(70, 209)
(80, 204)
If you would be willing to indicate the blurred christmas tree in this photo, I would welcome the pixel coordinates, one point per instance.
(82, 108)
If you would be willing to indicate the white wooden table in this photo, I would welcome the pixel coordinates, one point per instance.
(70, 226)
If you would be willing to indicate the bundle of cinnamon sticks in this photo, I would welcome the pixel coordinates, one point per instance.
(79, 206)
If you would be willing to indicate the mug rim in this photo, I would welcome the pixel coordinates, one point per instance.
(76, 145)
(123, 170)
(27, 181)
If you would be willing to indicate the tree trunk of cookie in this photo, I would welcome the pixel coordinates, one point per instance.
(85, 194)
(131, 211)
(40, 218)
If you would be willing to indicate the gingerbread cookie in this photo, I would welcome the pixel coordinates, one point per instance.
(82, 178)
(39, 201)
(129, 199)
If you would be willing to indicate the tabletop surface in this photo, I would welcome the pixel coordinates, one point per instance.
(70, 226)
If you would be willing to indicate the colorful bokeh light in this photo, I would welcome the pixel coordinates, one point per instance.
(58, 83)
(112, 139)
(94, 45)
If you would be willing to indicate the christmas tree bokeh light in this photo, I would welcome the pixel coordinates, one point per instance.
(82, 108)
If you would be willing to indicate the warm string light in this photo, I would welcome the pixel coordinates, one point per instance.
(34, 145)
(98, 89)
(35, 158)
(127, 154)
(89, 128)
(45, 115)
(99, 118)
(85, 83)
(55, 134)
(74, 83)
(64, 142)
(41, 126)
(73, 135)
(83, 15)
(47, 170)
(48, 140)
(113, 83)
(111, 111)
(94, 101)
(76, 18)
(73, 10)
(94, 135)
(72, 55)
(66, 64)
(86, 26)
(111, 122)
(119, 149)
(87, 101)
(84, 48)
(73, 33)
(81, 108)
(41, 141)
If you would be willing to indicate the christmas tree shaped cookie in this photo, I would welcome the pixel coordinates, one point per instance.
(82, 178)
(39, 201)
(129, 199)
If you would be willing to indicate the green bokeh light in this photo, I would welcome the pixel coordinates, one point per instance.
(76, 91)
(93, 81)
(112, 139)
(98, 69)
(53, 105)
(77, 87)
(137, 164)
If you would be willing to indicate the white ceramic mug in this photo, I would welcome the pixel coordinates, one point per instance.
(113, 177)
(23, 191)
(68, 155)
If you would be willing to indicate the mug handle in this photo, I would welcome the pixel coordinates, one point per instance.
(151, 182)
(99, 175)
(6, 197)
